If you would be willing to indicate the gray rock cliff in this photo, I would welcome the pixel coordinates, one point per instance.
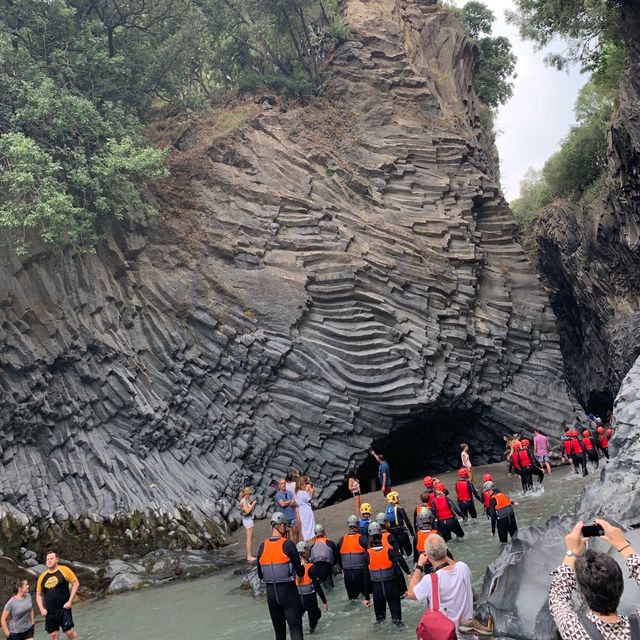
(319, 279)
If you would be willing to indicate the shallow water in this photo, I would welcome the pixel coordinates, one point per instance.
(214, 606)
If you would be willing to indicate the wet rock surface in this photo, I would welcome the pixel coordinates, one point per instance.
(320, 278)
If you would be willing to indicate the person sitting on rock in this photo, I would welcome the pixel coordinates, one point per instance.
(601, 583)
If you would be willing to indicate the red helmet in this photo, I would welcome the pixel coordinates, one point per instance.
(439, 487)
(585, 434)
(524, 443)
(516, 444)
(464, 472)
(487, 477)
(428, 482)
(600, 429)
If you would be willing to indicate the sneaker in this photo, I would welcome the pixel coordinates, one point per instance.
(473, 626)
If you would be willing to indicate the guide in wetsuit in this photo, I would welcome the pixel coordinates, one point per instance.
(399, 523)
(278, 565)
(465, 492)
(309, 588)
(323, 556)
(352, 550)
(445, 512)
(503, 516)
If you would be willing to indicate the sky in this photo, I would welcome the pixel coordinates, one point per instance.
(540, 113)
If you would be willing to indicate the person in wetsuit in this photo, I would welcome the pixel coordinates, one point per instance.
(399, 523)
(529, 465)
(278, 566)
(465, 492)
(352, 556)
(445, 512)
(382, 577)
(487, 477)
(309, 588)
(590, 448)
(323, 556)
(603, 441)
(503, 516)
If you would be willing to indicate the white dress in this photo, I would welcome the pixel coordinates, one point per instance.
(307, 517)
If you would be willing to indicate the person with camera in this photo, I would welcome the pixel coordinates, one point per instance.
(600, 581)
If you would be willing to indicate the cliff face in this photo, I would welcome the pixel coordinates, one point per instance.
(589, 255)
(320, 278)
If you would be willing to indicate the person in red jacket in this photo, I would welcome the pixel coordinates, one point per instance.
(445, 512)
(603, 442)
(487, 477)
(465, 492)
(529, 465)
(577, 453)
(590, 448)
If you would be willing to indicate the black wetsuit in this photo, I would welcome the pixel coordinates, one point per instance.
(385, 592)
(310, 600)
(324, 570)
(283, 599)
(503, 519)
(354, 579)
(399, 527)
(447, 526)
(467, 507)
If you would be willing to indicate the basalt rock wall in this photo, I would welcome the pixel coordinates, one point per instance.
(319, 277)
(589, 256)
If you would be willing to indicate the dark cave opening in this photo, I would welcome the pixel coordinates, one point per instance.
(428, 443)
(599, 403)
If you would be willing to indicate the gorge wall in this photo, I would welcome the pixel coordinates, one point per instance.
(589, 258)
(319, 278)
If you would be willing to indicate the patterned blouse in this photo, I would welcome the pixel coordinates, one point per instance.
(568, 622)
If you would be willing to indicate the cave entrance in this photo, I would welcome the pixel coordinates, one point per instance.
(428, 443)
(599, 403)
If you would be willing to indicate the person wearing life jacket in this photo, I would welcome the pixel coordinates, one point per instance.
(399, 524)
(603, 441)
(382, 578)
(352, 552)
(278, 566)
(465, 492)
(487, 477)
(513, 444)
(426, 527)
(389, 541)
(323, 555)
(577, 453)
(609, 432)
(365, 518)
(444, 511)
(309, 588)
(529, 465)
(426, 500)
(590, 448)
(566, 445)
(503, 516)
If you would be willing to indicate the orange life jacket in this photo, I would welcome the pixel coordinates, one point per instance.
(443, 510)
(421, 538)
(380, 565)
(352, 552)
(305, 584)
(463, 491)
(275, 563)
(385, 540)
(503, 505)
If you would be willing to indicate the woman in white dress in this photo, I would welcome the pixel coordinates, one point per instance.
(306, 517)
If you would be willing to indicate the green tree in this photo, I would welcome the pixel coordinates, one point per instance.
(477, 18)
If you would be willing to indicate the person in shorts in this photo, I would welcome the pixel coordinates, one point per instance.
(541, 449)
(55, 591)
(286, 505)
(17, 617)
(247, 506)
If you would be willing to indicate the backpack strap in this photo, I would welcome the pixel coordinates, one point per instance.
(435, 592)
(634, 623)
(590, 628)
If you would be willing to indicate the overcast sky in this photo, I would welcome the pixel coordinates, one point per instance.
(531, 125)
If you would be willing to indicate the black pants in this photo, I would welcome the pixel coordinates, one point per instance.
(605, 451)
(354, 582)
(324, 573)
(449, 526)
(386, 593)
(525, 479)
(468, 508)
(506, 527)
(579, 462)
(537, 471)
(593, 457)
(402, 536)
(285, 608)
(310, 605)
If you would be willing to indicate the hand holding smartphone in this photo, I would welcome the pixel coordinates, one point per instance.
(592, 531)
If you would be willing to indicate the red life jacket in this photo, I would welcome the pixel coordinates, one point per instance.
(462, 489)
(567, 447)
(514, 459)
(486, 498)
(525, 459)
(443, 510)
(576, 447)
(609, 432)
(588, 445)
(604, 442)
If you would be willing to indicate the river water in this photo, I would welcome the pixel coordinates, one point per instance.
(215, 607)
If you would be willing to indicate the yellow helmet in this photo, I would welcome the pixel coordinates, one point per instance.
(365, 509)
(393, 497)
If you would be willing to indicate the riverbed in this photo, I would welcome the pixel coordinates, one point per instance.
(215, 607)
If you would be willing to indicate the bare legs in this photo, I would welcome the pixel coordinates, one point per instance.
(250, 556)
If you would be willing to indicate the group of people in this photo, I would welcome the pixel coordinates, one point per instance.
(56, 589)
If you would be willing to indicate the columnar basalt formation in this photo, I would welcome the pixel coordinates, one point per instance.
(589, 255)
(320, 277)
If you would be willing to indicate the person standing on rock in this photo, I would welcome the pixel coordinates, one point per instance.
(286, 505)
(246, 508)
(541, 449)
(466, 460)
(306, 518)
(54, 597)
(354, 488)
(384, 473)
(278, 566)
(17, 617)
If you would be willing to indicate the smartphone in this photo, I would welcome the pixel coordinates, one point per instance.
(592, 531)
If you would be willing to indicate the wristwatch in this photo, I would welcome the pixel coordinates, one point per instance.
(418, 568)
(570, 553)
